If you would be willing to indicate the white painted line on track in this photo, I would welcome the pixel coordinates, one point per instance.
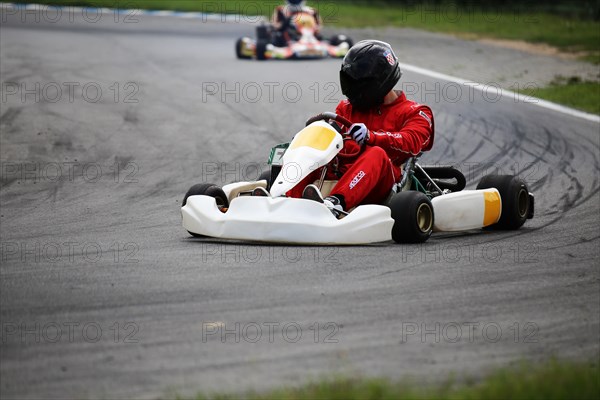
(503, 92)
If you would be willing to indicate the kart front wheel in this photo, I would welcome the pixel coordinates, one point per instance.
(239, 49)
(517, 203)
(413, 217)
(207, 189)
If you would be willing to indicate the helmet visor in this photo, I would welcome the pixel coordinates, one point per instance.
(363, 94)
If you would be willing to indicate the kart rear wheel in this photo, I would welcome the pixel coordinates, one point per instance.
(263, 32)
(517, 204)
(413, 217)
(239, 45)
(261, 49)
(206, 189)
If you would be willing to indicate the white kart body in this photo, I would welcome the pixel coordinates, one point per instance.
(467, 209)
(286, 220)
(281, 219)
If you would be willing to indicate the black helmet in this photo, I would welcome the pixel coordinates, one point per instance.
(369, 71)
(295, 2)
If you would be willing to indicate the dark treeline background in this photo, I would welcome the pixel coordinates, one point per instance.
(585, 9)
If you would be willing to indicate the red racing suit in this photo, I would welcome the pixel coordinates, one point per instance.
(397, 131)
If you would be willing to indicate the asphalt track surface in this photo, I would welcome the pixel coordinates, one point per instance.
(103, 294)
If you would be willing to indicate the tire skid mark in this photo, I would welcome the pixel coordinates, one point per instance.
(9, 116)
(549, 150)
(476, 149)
(580, 241)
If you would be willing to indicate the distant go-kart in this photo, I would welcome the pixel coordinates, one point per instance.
(426, 200)
(305, 45)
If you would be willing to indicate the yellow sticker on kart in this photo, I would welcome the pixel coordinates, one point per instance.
(317, 137)
(492, 208)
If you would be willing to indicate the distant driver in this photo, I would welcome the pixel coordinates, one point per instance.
(283, 24)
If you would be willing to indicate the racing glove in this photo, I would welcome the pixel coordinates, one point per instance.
(359, 133)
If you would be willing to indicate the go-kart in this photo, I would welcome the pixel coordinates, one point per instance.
(425, 200)
(304, 45)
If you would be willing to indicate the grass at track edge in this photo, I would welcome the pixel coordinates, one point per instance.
(552, 380)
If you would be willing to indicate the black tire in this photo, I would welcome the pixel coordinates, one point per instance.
(238, 50)
(206, 189)
(261, 49)
(516, 204)
(413, 217)
(263, 32)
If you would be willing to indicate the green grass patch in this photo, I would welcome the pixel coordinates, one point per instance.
(554, 380)
(592, 57)
(572, 92)
(565, 31)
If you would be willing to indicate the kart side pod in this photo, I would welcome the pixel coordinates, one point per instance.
(467, 209)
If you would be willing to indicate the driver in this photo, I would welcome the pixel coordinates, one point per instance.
(282, 21)
(389, 126)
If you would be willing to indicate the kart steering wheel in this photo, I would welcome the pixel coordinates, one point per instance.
(327, 115)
